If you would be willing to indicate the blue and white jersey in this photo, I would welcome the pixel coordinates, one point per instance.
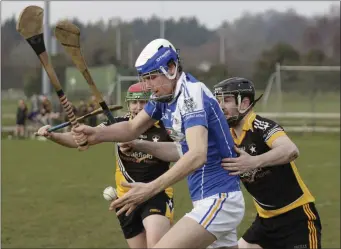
(195, 105)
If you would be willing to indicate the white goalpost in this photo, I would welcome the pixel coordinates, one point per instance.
(310, 109)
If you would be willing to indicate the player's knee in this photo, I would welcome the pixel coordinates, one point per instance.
(156, 226)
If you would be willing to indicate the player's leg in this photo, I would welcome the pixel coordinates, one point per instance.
(302, 228)
(157, 214)
(156, 226)
(255, 236)
(186, 233)
(139, 241)
(212, 222)
(133, 229)
(227, 220)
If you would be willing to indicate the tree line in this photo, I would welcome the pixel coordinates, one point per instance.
(254, 43)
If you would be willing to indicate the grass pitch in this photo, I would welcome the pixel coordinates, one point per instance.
(52, 196)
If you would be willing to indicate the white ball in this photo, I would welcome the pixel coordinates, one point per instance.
(109, 193)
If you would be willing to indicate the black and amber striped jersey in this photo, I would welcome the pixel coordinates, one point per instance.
(139, 166)
(275, 189)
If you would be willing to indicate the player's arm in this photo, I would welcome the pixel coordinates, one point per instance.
(64, 139)
(166, 151)
(193, 159)
(123, 131)
(282, 150)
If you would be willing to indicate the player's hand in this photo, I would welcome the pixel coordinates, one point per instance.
(43, 131)
(139, 192)
(239, 165)
(126, 148)
(88, 131)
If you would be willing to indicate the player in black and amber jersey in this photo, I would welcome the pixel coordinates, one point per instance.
(286, 214)
(145, 226)
(152, 219)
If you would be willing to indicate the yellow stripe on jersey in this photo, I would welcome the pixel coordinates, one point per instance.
(304, 199)
(119, 177)
(214, 210)
(274, 137)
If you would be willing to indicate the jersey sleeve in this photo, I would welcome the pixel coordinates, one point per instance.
(153, 109)
(270, 129)
(193, 110)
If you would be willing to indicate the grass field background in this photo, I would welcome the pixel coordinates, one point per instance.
(52, 196)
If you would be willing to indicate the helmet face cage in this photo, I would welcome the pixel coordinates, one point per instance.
(135, 96)
(158, 65)
(238, 95)
(239, 88)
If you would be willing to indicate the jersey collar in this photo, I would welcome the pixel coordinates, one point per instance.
(178, 86)
(249, 118)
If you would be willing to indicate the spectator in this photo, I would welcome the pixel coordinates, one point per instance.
(21, 119)
(82, 108)
(45, 110)
(93, 105)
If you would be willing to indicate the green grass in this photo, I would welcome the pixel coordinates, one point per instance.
(303, 102)
(52, 196)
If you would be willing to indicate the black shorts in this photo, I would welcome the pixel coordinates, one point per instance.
(297, 229)
(160, 204)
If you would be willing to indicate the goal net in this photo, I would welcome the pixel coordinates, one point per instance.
(304, 98)
(77, 88)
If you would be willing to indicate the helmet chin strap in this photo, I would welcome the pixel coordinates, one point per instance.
(168, 97)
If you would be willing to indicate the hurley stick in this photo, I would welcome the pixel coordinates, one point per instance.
(30, 26)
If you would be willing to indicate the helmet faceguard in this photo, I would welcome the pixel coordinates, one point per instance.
(239, 88)
(154, 60)
(136, 92)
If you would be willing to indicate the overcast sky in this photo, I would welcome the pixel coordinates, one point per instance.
(210, 13)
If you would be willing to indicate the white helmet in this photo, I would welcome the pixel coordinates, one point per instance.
(156, 56)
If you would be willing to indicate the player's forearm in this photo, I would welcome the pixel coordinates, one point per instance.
(64, 139)
(187, 164)
(277, 156)
(119, 132)
(166, 151)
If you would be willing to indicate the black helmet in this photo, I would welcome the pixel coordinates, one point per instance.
(239, 88)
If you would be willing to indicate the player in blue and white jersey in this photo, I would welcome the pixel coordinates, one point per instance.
(192, 117)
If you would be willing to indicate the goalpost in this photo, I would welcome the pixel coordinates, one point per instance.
(295, 96)
(304, 98)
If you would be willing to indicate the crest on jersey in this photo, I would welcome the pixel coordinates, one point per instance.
(189, 105)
